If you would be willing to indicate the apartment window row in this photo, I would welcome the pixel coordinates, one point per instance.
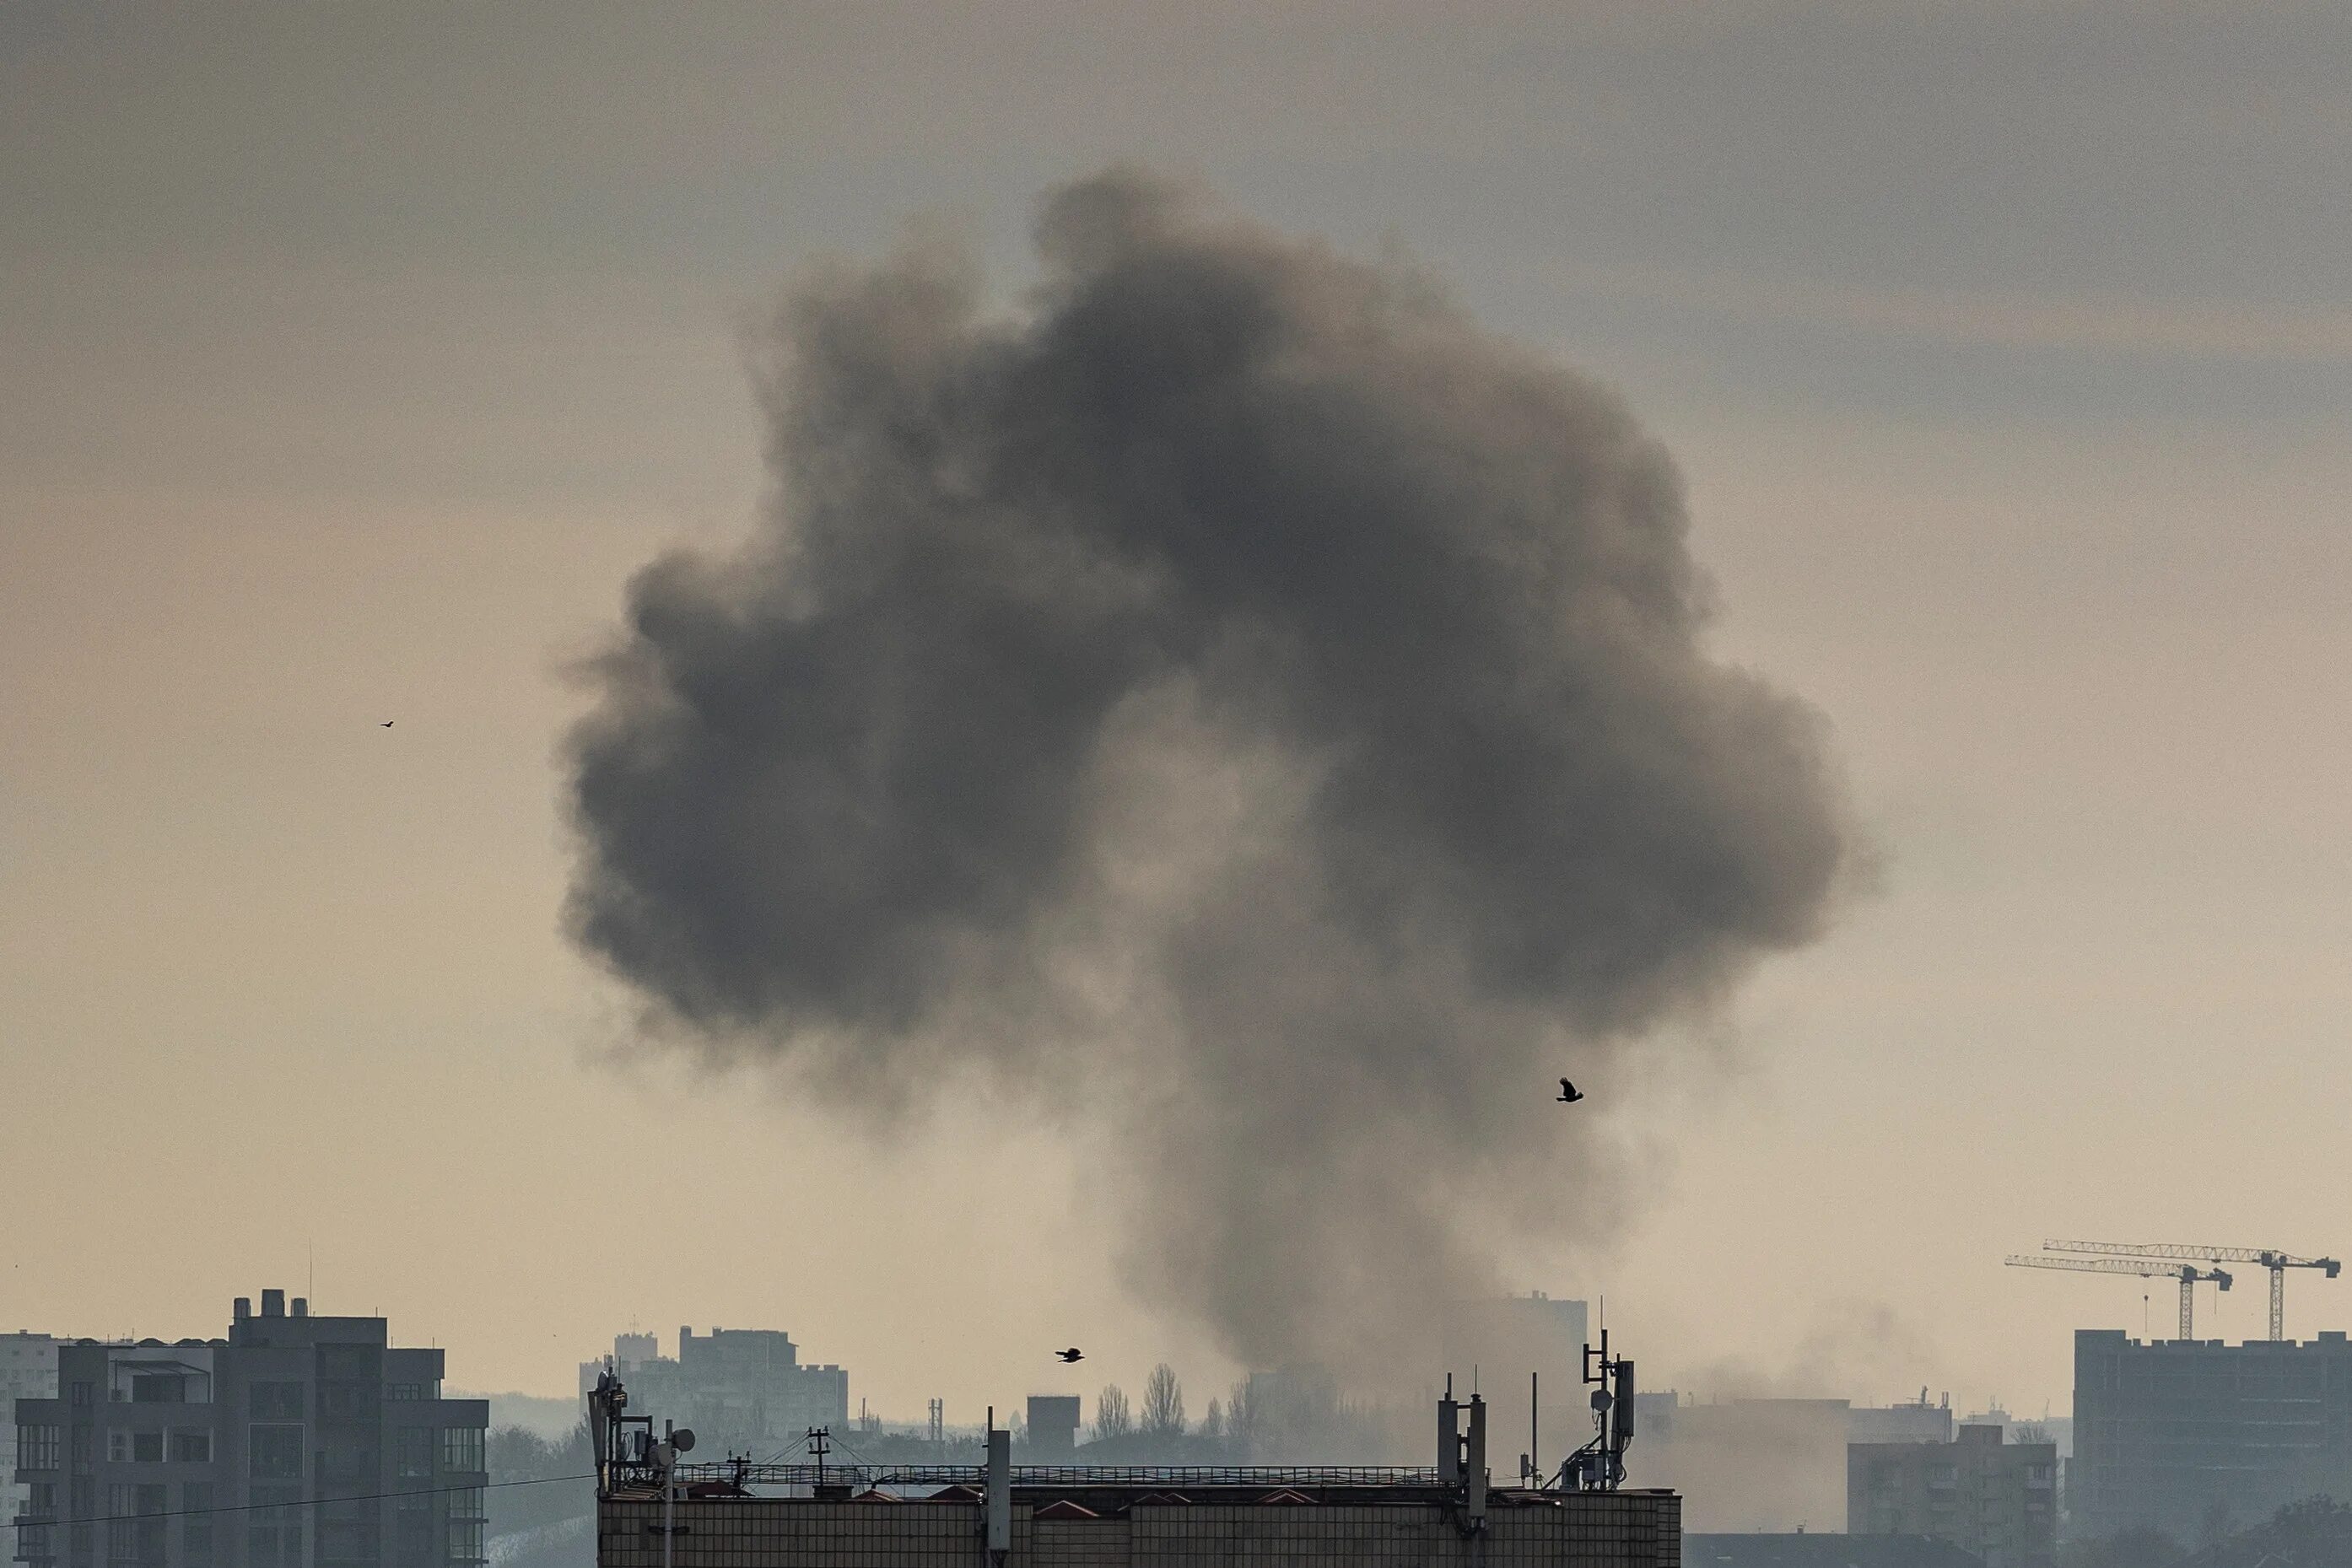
(37, 1446)
(135, 1532)
(461, 1449)
(179, 1447)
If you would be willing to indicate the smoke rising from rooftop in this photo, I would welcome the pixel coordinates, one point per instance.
(1234, 699)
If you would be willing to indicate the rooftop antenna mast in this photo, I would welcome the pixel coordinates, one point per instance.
(1600, 1465)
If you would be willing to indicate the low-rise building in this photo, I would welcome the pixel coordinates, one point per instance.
(1745, 1465)
(1996, 1499)
(657, 1510)
(741, 1390)
(1811, 1550)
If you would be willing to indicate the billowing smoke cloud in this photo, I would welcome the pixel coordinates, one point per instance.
(1235, 692)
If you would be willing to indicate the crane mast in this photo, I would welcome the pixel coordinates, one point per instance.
(2278, 1263)
(2189, 1276)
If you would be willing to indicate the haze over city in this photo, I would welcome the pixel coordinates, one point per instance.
(358, 360)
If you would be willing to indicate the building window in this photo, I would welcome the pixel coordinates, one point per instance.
(122, 1530)
(197, 1526)
(192, 1447)
(412, 1451)
(345, 1466)
(461, 1450)
(347, 1401)
(466, 1503)
(159, 1388)
(80, 1393)
(147, 1448)
(81, 1447)
(275, 1401)
(81, 1503)
(118, 1447)
(344, 1543)
(407, 1392)
(273, 1534)
(412, 1528)
(465, 1540)
(274, 1453)
(36, 1447)
(41, 1497)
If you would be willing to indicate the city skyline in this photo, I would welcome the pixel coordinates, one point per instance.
(358, 359)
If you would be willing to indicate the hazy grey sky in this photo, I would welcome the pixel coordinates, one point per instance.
(351, 358)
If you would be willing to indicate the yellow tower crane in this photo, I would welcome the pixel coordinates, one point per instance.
(2270, 1258)
(2145, 1267)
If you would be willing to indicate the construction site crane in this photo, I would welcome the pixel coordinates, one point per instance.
(2189, 1276)
(2270, 1258)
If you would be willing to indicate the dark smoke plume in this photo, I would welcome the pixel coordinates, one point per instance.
(1236, 693)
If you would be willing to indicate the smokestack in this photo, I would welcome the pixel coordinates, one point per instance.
(273, 1303)
(1237, 696)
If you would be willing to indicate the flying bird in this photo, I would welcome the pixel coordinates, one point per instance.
(387, 724)
(1072, 1354)
(1569, 1093)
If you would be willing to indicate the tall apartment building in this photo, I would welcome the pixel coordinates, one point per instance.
(2178, 1434)
(739, 1388)
(28, 1370)
(295, 1442)
(1997, 1500)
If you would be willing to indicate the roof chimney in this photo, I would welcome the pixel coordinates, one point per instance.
(273, 1303)
(301, 1306)
(242, 1309)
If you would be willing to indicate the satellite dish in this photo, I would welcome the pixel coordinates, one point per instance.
(684, 1439)
(1601, 1400)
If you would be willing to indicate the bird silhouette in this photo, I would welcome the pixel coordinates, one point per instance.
(1071, 1354)
(1569, 1093)
(387, 724)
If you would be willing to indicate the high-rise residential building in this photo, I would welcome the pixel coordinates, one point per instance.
(2184, 1435)
(740, 1389)
(295, 1442)
(28, 1370)
(1997, 1500)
